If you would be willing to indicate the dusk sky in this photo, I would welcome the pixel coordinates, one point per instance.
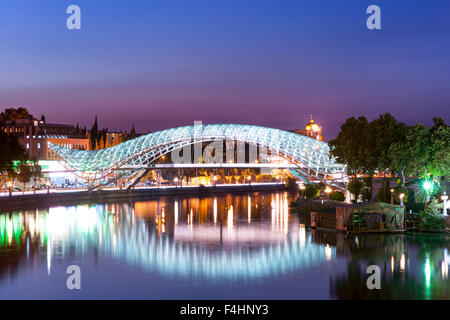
(166, 63)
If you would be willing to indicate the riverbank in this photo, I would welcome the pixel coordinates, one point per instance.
(30, 202)
(356, 218)
(359, 218)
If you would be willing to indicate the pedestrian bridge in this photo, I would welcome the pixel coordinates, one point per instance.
(308, 157)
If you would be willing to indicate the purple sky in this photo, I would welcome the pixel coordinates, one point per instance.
(160, 64)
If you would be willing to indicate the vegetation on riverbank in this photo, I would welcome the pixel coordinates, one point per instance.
(15, 164)
(390, 148)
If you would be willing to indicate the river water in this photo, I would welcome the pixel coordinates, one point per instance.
(225, 247)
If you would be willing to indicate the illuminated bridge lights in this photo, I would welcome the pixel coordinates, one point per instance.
(311, 157)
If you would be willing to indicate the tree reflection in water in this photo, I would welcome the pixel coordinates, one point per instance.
(413, 266)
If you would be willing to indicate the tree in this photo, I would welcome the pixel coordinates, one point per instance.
(367, 186)
(189, 174)
(10, 152)
(133, 132)
(364, 147)
(311, 191)
(246, 173)
(12, 114)
(352, 146)
(410, 155)
(36, 173)
(150, 176)
(169, 174)
(337, 196)
(24, 174)
(432, 219)
(291, 183)
(355, 186)
(94, 135)
(385, 143)
(385, 132)
(440, 149)
(424, 152)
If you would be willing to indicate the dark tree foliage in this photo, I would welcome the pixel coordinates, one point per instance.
(95, 137)
(367, 186)
(351, 146)
(10, 150)
(337, 196)
(386, 144)
(432, 219)
(355, 186)
(384, 132)
(423, 152)
(12, 114)
(133, 132)
(311, 191)
(364, 147)
(291, 183)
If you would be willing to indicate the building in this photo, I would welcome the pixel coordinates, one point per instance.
(311, 130)
(35, 135)
(113, 138)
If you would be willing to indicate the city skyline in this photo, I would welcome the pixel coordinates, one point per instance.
(271, 67)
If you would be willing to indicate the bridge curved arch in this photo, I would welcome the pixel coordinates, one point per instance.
(311, 156)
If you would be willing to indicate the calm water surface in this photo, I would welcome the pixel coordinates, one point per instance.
(225, 247)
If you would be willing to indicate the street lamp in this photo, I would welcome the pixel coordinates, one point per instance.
(176, 181)
(302, 188)
(215, 180)
(444, 198)
(401, 196)
(328, 191)
(277, 177)
(392, 196)
(9, 185)
(249, 180)
(428, 186)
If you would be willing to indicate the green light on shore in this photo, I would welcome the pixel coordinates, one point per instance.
(428, 186)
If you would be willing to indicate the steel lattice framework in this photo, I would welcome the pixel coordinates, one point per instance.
(311, 157)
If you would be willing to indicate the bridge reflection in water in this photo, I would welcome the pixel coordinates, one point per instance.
(244, 245)
(233, 238)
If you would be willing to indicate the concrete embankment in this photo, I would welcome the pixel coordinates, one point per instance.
(30, 202)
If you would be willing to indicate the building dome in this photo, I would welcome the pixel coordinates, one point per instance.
(313, 130)
(312, 126)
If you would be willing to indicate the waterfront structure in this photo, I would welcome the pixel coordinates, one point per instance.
(310, 157)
